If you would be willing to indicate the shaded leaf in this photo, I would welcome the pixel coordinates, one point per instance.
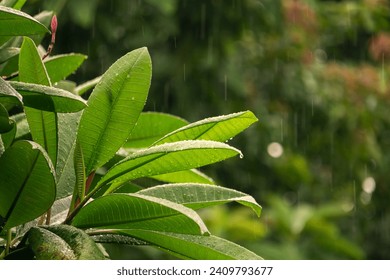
(61, 66)
(135, 211)
(65, 170)
(28, 193)
(197, 196)
(114, 107)
(150, 127)
(167, 158)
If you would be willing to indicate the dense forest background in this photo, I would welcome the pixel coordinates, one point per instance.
(316, 73)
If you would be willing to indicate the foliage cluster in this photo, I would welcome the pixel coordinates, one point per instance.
(75, 173)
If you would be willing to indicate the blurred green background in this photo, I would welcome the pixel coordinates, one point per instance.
(316, 73)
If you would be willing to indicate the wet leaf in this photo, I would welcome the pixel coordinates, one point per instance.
(114, 107)
(197, 196)
(167, 158)
(221, 128)
(135, 211)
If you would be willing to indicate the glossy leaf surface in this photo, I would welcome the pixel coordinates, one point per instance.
(114, 107)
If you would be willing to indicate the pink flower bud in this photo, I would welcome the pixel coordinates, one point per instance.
(53, 24)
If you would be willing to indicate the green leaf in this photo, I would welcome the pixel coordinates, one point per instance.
(197, 196)
(221, 128)
(135, 211)
(185, 176)
(22, 24)
(61, 66)
(29, 192)
(8, 95)
(63, 242)
(65, 169)
(152, 126)
(49, 98)
(192, 246)
(167, 158)
(43, 125)
(114, 107)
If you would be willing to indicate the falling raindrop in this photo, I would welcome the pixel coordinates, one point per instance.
(184, 72)
(225, 83)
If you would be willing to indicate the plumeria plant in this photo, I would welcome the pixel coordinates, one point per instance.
(73, 171)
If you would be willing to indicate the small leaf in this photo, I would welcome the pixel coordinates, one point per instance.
(221, 128)
(114, 107)
(61, 66)
(190, 246)
(134, 211)
(49, 98)
(7, 53)
(22, 24)
(167, 158)
(29, 192)
(152, 126)
(197, 196)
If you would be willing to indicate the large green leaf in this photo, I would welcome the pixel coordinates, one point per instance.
(43, 125)
(192, 246)
(197, 196)
(27, 183)
(150, 127)
(48, 98)
(114, 107)
(167, 158)
(61, 66)
(221, 128)
(17, 23)
(135, 211)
